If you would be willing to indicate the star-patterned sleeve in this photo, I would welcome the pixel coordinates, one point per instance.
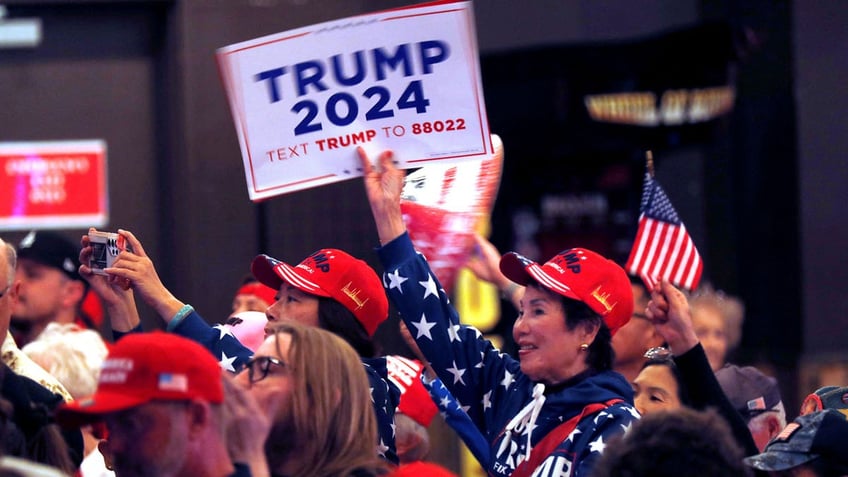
(385, 398)
(231, 354)
(457, 418)
(471, 368)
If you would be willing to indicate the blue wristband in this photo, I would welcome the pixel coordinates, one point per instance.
(179, 317)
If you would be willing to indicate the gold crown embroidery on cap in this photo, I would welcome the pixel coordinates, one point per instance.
(354, 295)
(602, 299)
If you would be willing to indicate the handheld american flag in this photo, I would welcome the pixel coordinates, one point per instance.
(662, 248)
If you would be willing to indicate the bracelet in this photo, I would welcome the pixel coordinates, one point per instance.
(508, 292)
(179, 317)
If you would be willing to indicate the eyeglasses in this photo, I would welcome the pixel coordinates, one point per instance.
(258, 368)
(5, 290)
(659, 353)
(642, 316)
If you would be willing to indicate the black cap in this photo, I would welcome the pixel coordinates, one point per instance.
(53, 250)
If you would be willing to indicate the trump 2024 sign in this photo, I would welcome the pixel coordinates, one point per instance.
(406, 79)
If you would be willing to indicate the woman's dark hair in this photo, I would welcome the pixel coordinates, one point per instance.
(335, 318)
(601, 355)
(668, 360)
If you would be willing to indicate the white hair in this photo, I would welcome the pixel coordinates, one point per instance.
(757, 422)
(71, 354)
(11, 261)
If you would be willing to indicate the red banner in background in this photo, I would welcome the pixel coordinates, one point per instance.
(443, 206)
(53, 184)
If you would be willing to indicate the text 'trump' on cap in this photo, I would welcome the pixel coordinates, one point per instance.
(331, 273)
(582, 275)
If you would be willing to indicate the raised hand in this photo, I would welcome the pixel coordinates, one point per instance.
(114, 291)
(384, 185)
(668, 310)
(136, 267)
(247, 426)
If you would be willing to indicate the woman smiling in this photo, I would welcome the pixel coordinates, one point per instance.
(553, 412)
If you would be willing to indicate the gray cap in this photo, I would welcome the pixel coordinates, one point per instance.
(821, 434)
(749, 390)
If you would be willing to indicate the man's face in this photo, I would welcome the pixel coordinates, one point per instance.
(148, 440)
(634, 338)
(43, 292)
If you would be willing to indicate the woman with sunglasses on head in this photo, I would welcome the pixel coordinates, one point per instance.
(553, 412)
(659, 385)
(317, 398)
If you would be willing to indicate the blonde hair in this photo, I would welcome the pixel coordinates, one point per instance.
(332, 417)
(71, 354)
(730, 308)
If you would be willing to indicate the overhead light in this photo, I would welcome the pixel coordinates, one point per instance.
(19, 32)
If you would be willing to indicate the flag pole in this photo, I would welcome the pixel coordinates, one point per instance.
(649, 160)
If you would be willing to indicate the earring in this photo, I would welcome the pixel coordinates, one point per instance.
(584, 347)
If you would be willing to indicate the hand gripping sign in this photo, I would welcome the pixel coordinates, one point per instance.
(406, 79)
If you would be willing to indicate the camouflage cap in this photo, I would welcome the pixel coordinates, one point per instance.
(827, 397)
(818, 435)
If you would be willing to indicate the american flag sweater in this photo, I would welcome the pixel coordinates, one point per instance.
(490, 385)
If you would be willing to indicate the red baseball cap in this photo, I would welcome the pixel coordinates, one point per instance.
(581, 275)
(331, 273)
(263, 292)
(142, 367)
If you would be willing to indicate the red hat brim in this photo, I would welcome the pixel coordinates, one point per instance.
(273, 273)
(86, 410)
(522, 270)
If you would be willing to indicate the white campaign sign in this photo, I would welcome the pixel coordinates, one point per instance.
(406, 79)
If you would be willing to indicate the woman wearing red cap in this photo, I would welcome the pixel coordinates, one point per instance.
(329, 289)
(561, 404)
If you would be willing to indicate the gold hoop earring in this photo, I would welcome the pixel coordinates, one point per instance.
(584, 347)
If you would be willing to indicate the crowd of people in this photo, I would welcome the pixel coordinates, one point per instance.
(610, 378)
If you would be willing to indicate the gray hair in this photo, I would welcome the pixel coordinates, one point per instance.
(11, 261)
(73, 355)
(730, 308)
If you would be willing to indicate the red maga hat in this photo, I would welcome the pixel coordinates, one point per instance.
(582, 275)
(334, 274)
(142, 367)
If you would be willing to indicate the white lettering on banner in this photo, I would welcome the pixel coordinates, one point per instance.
(47, 175)
(66, 165)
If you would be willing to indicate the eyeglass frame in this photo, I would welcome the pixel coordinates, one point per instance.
(265, 363)
(6, 290)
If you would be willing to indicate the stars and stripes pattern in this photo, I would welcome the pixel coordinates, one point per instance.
(663, 248)
(489, 385)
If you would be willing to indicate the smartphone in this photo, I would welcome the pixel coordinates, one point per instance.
(105, 248)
